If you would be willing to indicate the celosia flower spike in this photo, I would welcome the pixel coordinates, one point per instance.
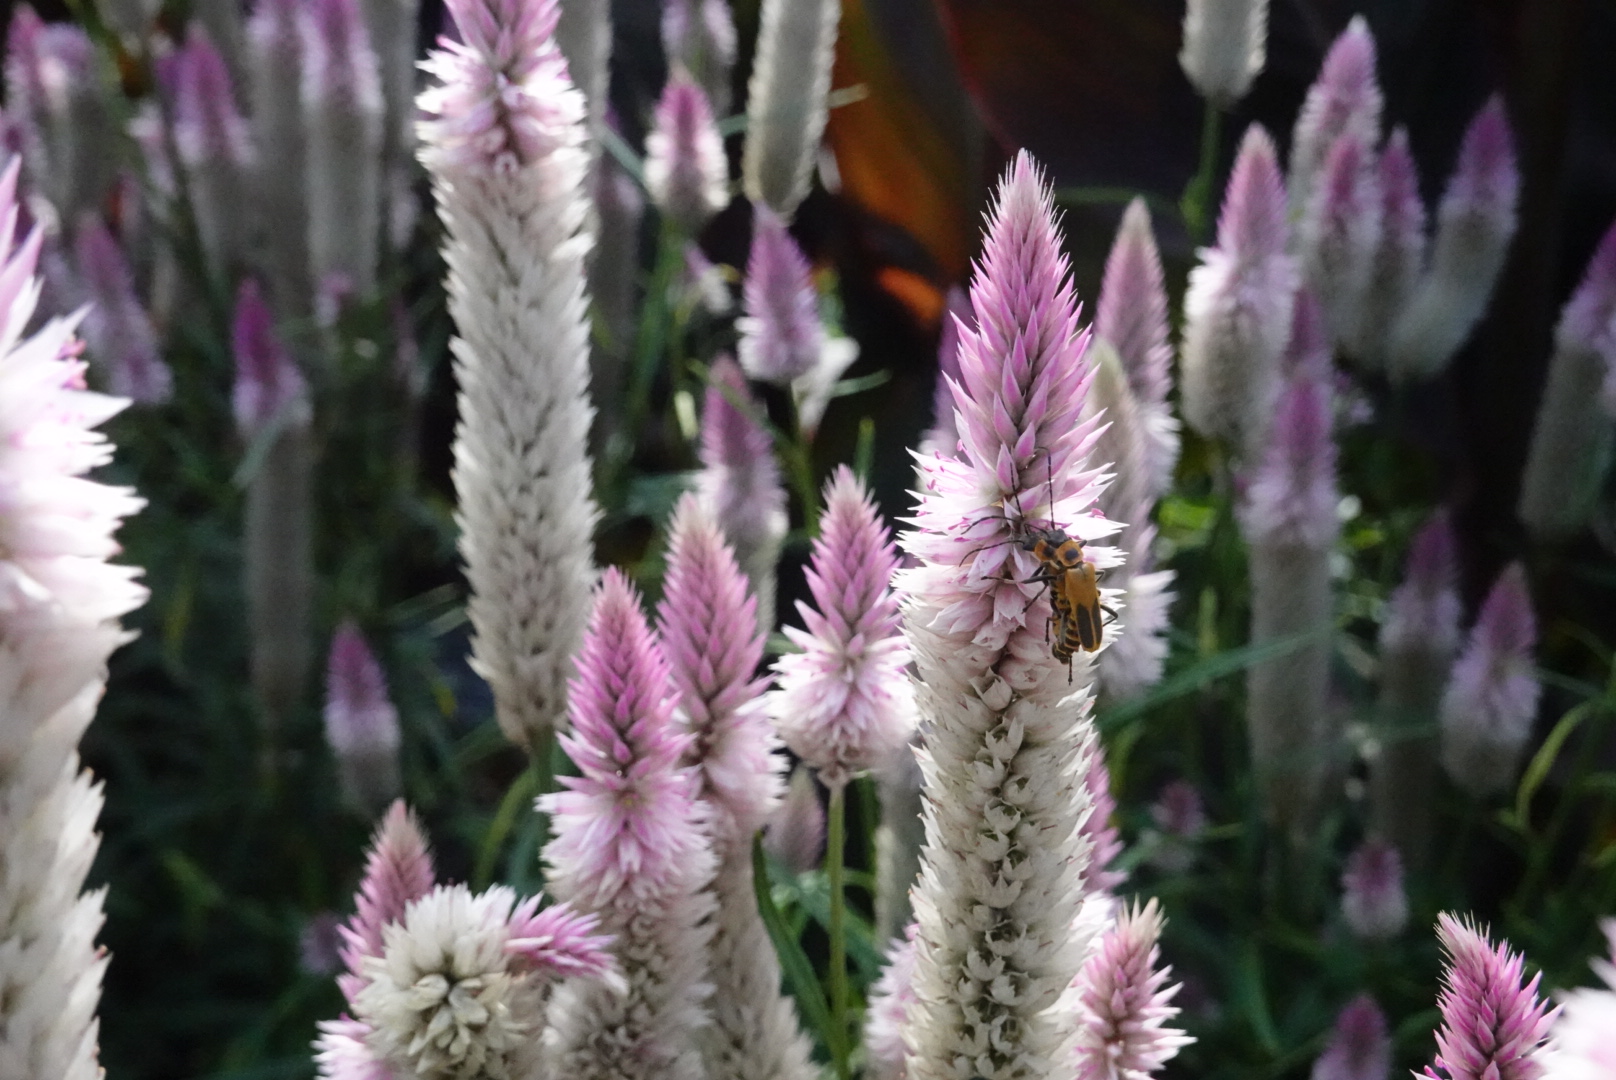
(1399, 255)
(795, 835)
(119, 333)
(1105, 840)
(890, 999)
(1493, 1023)
(1225, 47)
(583, 33)
(275, 80)
(1123, 1005)
(1180, 818)
(398, 870)
(1345, 99)
(267, 378)
(1491, 701)
(699, 35)
(781, 336)
(1132, 316)
(629, 847)
(1359, 1046)
(1340, 232)
(361, 723)
(1373, 901)
(1571, 440)
(786, 104)
(686, 171)
(844, 704)
(214, 146)
(1475, 225)
(1002, 882)
(1582, 1048)
(504, 141)
(1237, 312)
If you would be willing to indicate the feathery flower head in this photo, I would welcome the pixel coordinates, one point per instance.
(267, 378)
(1123, 1007)
(1291, 497)
(1344, 100)
(1424, 610)
(208, 124)
(1493, 1023)
(398, 871)
(460, 988)
(1359, 1047)
(1237, 311)
(1120, 441)
(117, 329)
(781, 336)
(628, 822)
(1180, 817)
(686, 171)
(795, 835)
(844, 703)
(60, 109)
(506, 99)
(1492, 696)
(1372, 898)
(1134, 660)
(1582, 1048)
(338, 61)
(1132, 316)
(1400, 254)
(1586, 320)
(361, 723)
(786, 104)
(890, 998)
(1475, 224)
(1340, 232)
(707, 621)
(699, 35)
(1225, 47)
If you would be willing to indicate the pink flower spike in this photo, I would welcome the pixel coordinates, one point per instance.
(60, 112)
(844, 704)
(1586, 319)
(361, 723)
(889, 1002)
(1359, 1047)
(208, 124)
(1399, 256)
(699, 35)
(1344, 100)
(267, 378)
(1132, 316)
(1123, 1008)
(1291, 497)
(1493, 1023)
(781, 336)
(1582, 1048)
(1373, 901)
(1424, 610)
(708, 624)
(560, 943)
(1340, 232)
(398, 870)
(1237, 311)
(1491, 701)
(342, 1052)
(117, 330)
(686, 171)
(795, 836)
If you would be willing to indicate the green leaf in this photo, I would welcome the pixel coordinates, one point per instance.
(794, 963)
(1542, 762)
(520, 794)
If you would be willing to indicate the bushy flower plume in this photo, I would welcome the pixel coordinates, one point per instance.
(268, 384)
(786, 102)
(1132, 316)
(1359, 1046)
(1237, 312)
(1373, 901)
(629, 847)
(1474, 226)
(398, 870)
(686, 171)
(1344, 100)
(781, 336)
(117, 330)
(361, 722)
(583, 33)
(1340, 232)
(844, 704)
(1007, 739)
(1225, 47)
(215, 148)
(1180, 818)
(1123, 1002)
(1571, 440)
(795, 834)
(1399, 255)
(890, 999)
(1492, 695)
(1493, 1023)
(1582, 1048)
(274, 58)
(699, 35)
(504, 141)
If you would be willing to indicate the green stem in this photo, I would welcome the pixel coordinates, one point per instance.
(835, 829)
(649, 345)
(1197, 203)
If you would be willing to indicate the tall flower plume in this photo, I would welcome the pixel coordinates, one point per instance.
(1493, 1024)
(686, 171)
(890, 998)
(583, 33)
(361, 722)
(700, 36)
(1345, 99)
(1474, 226)
(629, 848)
(1132, 316)
(1289, 520)
(781, 335)
(844, 704)
(1359, 1047)
(786, 102)
(122, 342)
(1491, 700)
(211, 136)
(1123, 1004)
(274, 58)
(1339, 234)
(1399, 255)
(505, 146)
(1373, 900)
(60, 600)
(740, 480)
(708, 626)
(1571, 440)
(343, 112)
(1007, 739)
(1237, 312)
(1225, 47)
(1582, 1047)
(1418, 637)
